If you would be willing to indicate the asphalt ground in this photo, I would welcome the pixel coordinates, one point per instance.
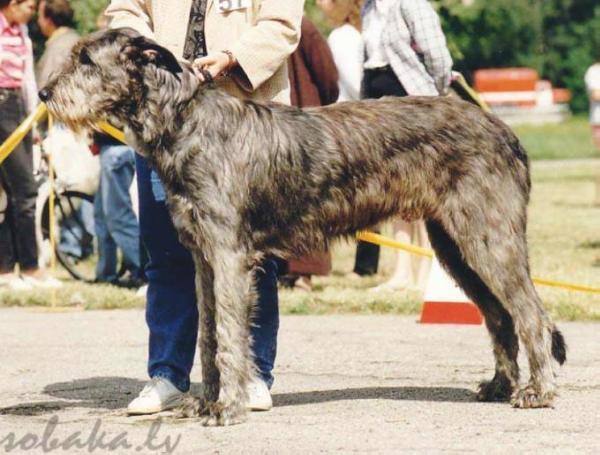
(381, 384)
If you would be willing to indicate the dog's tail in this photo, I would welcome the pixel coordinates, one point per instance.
(559, 347)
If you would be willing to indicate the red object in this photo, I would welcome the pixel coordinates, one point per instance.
(561, 95)
(450, 313)
(506, 80)
(95, 149)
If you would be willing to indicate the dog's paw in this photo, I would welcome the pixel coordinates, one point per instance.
(224, 416)
(498, 389)
(530, 397)
(191, 407)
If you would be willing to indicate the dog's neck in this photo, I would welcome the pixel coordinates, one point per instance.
(153, 123)
(172, 112)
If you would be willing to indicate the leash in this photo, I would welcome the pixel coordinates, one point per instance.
(378, 239)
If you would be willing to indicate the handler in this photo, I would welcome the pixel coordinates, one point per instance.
(244, 44)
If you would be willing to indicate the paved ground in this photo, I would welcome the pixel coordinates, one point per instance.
(381, 384)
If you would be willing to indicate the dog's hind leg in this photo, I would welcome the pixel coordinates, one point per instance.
(498, 321)
(493, 244)
(234, 297)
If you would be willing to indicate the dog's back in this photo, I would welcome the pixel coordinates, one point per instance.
(363, 162)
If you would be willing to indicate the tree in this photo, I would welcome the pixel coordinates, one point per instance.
(558, 38)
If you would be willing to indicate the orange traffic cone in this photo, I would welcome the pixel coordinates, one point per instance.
(445, 302)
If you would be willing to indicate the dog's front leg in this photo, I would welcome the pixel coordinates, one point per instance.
(233, 297)
(207, 342)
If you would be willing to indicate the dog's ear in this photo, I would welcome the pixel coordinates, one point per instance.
(145, 51)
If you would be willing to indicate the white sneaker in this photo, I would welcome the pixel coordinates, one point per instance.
(158, 395)
(14, 282)
(259, 397)
(141, 292)
(42, 283)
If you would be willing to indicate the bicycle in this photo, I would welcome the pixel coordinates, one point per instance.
(75, 247)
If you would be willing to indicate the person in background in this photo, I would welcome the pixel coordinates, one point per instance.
(405, 54)
(245, 47)
(55, 19)
(592, 84)
(313, 82)
(18, 97)
(346, 44)
(115, 221)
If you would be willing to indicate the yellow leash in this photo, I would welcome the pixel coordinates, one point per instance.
(112, 131)
(17, 135)
(385, 241)
(51, 214)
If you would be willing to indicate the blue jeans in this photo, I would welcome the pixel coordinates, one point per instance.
(115, 220)
(171, 310)
(75, 230)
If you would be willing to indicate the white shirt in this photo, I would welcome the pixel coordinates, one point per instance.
(348, 53)
(592, 82)
(413, 43)
(372, 29)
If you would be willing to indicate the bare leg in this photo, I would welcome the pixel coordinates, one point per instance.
(422, 265)
(402, 276)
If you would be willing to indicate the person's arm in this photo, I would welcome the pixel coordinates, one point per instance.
(30, 90)
(319, 62)
(348, 54)
(132, 14)
(592, 82)
(428, 36)
(264, 47)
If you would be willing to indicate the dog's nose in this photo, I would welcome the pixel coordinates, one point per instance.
(44, 94)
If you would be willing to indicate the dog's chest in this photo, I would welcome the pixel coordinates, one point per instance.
(187, 226)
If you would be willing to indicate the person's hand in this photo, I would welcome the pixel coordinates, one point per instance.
(216, 64)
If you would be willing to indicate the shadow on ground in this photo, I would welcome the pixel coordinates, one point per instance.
(113, 393)
(449, 394)
(98, 393)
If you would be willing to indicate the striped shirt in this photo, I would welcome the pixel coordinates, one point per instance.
(407, 35)
(13, 54)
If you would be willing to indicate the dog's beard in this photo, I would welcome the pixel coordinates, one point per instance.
(79, 120)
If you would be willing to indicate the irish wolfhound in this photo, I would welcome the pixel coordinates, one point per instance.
(246, 179)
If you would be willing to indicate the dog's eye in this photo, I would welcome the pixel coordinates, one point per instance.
(84, 58)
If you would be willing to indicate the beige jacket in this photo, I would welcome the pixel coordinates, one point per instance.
(261, 37)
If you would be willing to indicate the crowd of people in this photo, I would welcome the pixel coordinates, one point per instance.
(376, 48)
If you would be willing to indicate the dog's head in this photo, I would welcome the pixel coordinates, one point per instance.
(110, 75)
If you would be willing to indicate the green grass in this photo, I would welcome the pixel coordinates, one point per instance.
(564, 241)
(568, 140)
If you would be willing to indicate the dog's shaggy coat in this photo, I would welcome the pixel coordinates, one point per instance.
(247, 179)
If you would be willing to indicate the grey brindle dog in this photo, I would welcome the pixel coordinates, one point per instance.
(245, 180)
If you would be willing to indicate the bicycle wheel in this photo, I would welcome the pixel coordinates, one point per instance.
(75, 247)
